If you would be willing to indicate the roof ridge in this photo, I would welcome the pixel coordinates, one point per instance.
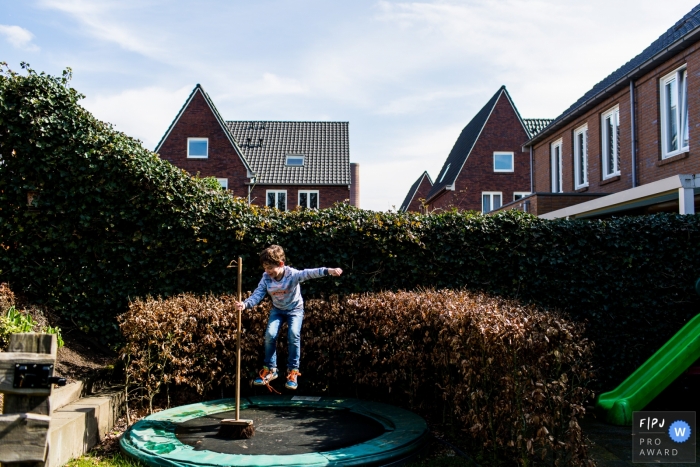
(287, 121)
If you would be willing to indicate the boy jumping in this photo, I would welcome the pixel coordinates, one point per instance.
(282, 284)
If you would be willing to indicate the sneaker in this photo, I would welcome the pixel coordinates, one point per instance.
(266, 375)
(292, 379)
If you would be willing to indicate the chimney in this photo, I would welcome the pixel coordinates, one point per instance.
(355, 184)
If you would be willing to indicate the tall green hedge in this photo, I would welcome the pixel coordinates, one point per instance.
(109, 221)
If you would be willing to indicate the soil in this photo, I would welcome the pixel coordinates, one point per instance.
(81, 357)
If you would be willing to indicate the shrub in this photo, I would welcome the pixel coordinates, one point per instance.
(514, 377)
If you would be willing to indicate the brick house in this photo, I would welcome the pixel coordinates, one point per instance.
(418, 192)
(487, 166)
(630, 144)
(273, 163)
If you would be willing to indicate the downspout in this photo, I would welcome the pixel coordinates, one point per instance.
(250, 187)
(532, 182)
(633, 128)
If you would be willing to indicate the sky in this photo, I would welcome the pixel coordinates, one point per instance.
(407, 76)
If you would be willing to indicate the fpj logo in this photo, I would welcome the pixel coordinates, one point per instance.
(663, 437)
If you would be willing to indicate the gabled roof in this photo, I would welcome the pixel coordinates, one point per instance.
(198, 89)
(465, 143)
(324, 145)
(535, 125)
(412, 191)
(680, 36)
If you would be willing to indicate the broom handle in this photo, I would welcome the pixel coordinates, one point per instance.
(238, 341)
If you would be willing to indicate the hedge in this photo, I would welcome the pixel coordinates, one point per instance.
(509, 379)
(109, 221)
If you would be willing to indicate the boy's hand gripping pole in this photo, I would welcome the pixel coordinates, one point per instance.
(238, 428)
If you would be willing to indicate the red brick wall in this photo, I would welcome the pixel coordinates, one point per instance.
(541, 203)
(650, 167)
(328, 195)
(421, 193)
(502, 132)
(198, 121)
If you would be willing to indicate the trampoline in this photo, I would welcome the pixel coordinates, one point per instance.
(289, 430)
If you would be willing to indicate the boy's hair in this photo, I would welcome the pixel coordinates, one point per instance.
(272, 255)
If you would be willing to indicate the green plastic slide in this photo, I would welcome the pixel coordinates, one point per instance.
(662, 368)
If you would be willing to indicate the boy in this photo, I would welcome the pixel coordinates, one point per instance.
(282, 283)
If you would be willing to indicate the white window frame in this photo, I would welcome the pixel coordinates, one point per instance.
(223, 182)
(308, 198)
(605, 139)
(206, 140)
(555, 166)
(490, 194)
(445, 172)
(276, 192)
(294, 156)
(504, 153)
(680, 117)
(522, 194)
(581, 160)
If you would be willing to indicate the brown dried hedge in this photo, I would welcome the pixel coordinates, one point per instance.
(512, 377)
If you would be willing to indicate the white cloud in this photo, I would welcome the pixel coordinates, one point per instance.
(144, 113)
(19, 37)
(99, 20)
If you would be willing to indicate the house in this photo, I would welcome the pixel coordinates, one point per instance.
(630, 144)
(272, 163)
(487, 166)
(417, 194)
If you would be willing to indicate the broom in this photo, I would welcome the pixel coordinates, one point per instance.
(237, 428)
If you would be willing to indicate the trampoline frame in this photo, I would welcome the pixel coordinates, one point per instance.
(152, 440)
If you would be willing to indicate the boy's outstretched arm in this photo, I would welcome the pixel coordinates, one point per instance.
(307, 274)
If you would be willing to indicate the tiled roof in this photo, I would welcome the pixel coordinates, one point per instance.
(680, 36)
(324, 145)
(535, 125)
(412, 191)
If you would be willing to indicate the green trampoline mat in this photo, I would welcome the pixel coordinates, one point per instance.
(290, 431)
(282, 431)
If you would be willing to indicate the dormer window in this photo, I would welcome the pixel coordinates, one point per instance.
(197, 148)
(295, 160)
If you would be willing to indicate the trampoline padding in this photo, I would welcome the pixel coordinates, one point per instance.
(380, 434)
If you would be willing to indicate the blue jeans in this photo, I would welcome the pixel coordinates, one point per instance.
(293, 318)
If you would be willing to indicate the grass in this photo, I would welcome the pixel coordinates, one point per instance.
(120, 460)
(112, 460)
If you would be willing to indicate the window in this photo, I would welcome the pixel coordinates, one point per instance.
(556, 169)
(197, 148)
(503, 161)
(443, 174)
(308, 199)
(519, 195)
(223, 182)
(674, 113)
(277, 199)
(490, 200)
(295, 161)
(581, 157)
(610, 138)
